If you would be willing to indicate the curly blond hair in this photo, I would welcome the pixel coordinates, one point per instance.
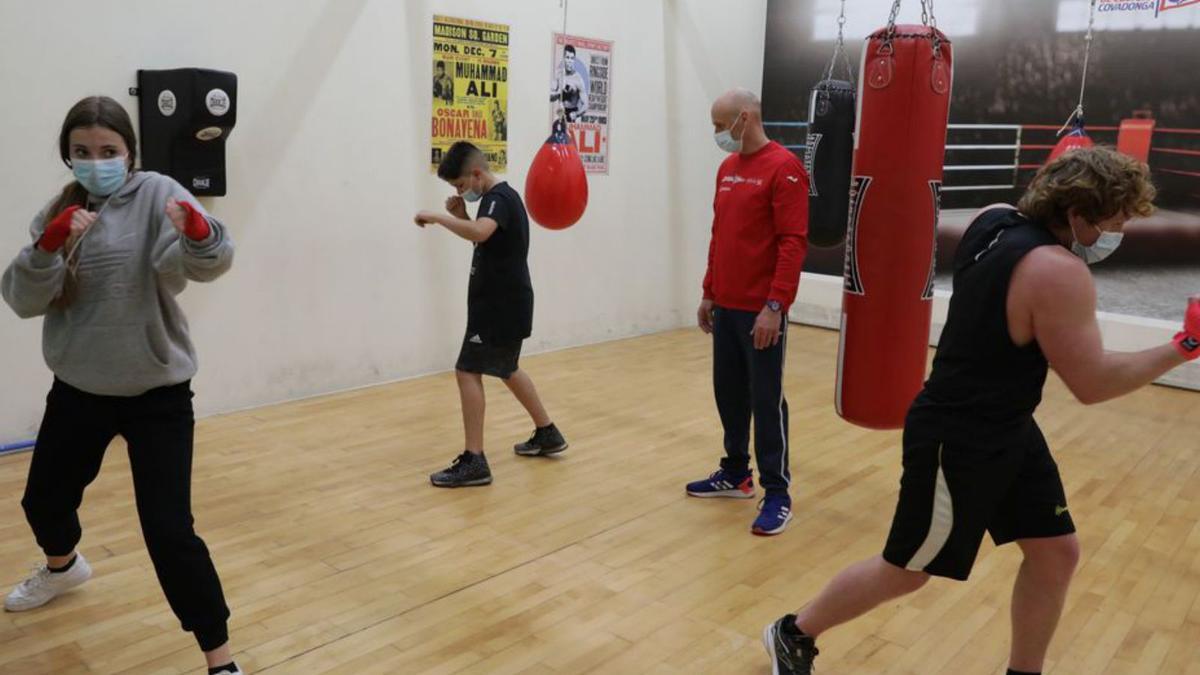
(1098, 182)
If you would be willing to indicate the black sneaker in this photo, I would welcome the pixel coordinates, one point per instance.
(792, 652)
(466, 470)
(545, 441)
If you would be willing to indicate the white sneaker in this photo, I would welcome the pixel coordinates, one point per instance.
(45, 585)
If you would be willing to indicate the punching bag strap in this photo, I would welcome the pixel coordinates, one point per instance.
(839, 49)
(881, 66)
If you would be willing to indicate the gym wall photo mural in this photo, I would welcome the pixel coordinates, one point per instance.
(1018, 74)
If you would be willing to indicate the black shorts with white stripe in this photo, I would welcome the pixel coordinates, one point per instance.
(951, 492)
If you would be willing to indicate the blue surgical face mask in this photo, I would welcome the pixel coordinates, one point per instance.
(1105, 246)
(726, 141)
(100, 177)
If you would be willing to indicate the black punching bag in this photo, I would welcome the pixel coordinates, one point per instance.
(828, 157)
(186, 114)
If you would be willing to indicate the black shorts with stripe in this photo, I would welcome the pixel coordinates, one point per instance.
(951, 492)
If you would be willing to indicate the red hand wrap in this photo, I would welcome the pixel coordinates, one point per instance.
(1187, 341)
(57, 230)
(197, 228)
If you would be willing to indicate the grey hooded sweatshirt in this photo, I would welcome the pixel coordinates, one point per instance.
(122, 334)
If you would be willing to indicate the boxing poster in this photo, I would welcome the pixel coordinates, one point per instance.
(470, 88)
(581, 91)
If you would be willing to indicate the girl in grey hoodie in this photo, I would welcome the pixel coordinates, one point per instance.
(107, 258)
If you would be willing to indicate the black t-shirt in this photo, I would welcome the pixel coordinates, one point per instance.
(500, 295)
(982, 384)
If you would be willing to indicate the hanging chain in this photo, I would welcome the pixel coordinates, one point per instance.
(839, 49)
(562, 109)
(886, 47)
(927, 19)
(845, 55)
(1087, 55)
(891, 27)
(931, 21)
(891, 24)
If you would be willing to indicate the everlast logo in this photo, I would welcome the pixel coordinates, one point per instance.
(810, 155)
(204, 183)
(851, 276)
(218, 102)
(935, 186)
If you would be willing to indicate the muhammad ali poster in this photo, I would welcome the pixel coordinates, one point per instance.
(581, 92)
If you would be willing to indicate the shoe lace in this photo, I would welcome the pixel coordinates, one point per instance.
(772, 503)
(800, 656)
(806, 657)
(718, 474)
(39, 578)
(459, 462)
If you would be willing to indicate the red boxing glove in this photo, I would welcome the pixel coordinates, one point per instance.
(197, 228)
(1187, 341)
(57, 231)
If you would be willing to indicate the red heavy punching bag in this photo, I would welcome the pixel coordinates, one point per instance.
(895, 195)
(556, 189)
(1075, 138)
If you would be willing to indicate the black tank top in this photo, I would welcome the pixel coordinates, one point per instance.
(982, 383)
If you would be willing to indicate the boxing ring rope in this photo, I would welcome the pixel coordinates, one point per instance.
(1015, 145)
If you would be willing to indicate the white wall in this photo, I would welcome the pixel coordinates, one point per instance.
(710, 47)
(332, 287)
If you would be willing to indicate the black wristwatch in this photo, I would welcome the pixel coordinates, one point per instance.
(774, 306)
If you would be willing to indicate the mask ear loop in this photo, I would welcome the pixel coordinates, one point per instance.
(735, 122)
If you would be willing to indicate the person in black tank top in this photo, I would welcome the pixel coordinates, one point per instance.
(982, 383)
(973, 421)
(974, 459)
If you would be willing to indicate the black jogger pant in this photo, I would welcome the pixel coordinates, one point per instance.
(157, 425)
(748, 383)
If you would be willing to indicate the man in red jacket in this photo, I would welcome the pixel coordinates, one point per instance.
(759, 238)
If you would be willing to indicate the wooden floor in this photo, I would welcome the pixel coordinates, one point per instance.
(338, 557)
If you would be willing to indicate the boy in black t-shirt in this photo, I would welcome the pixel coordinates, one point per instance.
(499, 308)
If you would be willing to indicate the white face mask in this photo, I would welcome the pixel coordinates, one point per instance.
(471, 195)
(725, 139)
(1105, 246)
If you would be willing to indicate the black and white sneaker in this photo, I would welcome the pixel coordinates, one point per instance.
(467, 469)
(792, 652)
(544, 442)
